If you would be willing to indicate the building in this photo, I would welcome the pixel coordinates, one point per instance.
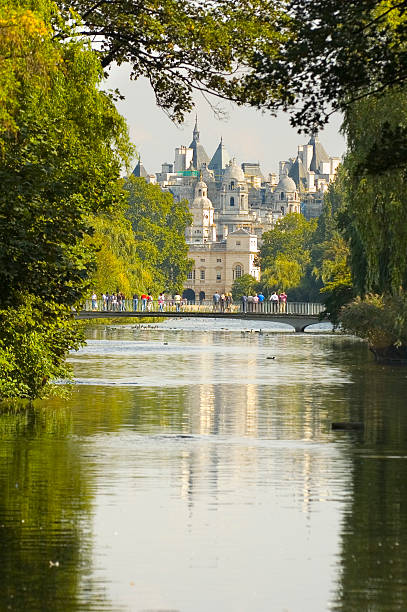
(233, 205)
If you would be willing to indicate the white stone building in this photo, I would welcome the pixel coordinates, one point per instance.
(233, 205)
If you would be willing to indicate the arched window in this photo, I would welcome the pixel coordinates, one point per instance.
(232, 201)
(282, 195)
(238, 271)
(232, 184)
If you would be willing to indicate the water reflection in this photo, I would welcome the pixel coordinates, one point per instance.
(45, 504)
(190, 472)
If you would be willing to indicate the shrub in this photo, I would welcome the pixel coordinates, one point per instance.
(381, 320)
(35, 338)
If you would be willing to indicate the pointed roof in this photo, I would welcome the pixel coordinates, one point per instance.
(220, 159)
(199, 156)
(241, 231)
(319, 154)
(298, 174)
(139, 170)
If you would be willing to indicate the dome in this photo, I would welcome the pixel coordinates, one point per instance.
(201, 199)
(233, 172)
(286, 184)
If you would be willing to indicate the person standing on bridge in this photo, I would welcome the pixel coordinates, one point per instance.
(274, 301)
(283, 301)
(161, 302)
(143, 302)
(216, 300)
(177, 299)
(261, 300)
(244, 303)
(135, 302)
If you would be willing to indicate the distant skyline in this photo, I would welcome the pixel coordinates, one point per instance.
(248, 134)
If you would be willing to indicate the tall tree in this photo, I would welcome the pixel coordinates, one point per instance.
(159, 224)
(62, 148)
(62, 144)
(374, 215)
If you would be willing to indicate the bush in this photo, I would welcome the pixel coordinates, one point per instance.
(382, 321)
(35, 338)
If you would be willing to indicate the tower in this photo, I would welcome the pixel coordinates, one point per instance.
(203, 228)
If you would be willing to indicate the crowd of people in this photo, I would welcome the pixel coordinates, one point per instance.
(222, 302)
(255, 303)
(143, 302)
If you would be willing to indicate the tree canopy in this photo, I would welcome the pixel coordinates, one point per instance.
(182, 46)
(159, 224)
(333, 53)
(373, 217)
(285, 252)
(62, 145)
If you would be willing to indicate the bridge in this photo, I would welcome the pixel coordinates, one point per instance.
(298, 315)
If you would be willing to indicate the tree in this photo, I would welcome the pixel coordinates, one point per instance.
(333, 53)
(282, 274)
(62, 144)
(182, 46)
(62, 149)
(245, 285)
(285, 254)
(117, 261)
(373, 218)
(159, 224)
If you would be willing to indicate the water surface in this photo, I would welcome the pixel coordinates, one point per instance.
(194, 468)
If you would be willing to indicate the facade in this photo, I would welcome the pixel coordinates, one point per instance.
(233, 205)
(218, 264)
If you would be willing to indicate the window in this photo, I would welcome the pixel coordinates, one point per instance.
(232, 184)
(237, 242)
(202, 274)
(282, 195)
(189, 277)
(232, 201)
(238, 271)
(218, 276)
(202, 260)
(218, 261)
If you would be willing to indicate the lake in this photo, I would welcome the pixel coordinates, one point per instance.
(193, 468)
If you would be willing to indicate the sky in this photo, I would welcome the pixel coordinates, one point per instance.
(248, 134)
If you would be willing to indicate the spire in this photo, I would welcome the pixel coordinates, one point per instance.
(139, 170)
(196, 131)
(199, 156)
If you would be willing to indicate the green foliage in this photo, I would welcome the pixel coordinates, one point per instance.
(118, 264)
(62, 145)
(60, 162)
(182, 45)
(379, 319)
(245, 285)
(35, 338)
(283, 274)
(159, 224)
(374, 215)
(333, 53)
(286, 255)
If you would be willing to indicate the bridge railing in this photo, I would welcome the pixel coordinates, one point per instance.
(170, 305)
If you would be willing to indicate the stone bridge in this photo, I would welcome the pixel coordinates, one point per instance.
(298, 321)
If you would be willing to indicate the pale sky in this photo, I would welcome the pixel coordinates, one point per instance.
(248, 134)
